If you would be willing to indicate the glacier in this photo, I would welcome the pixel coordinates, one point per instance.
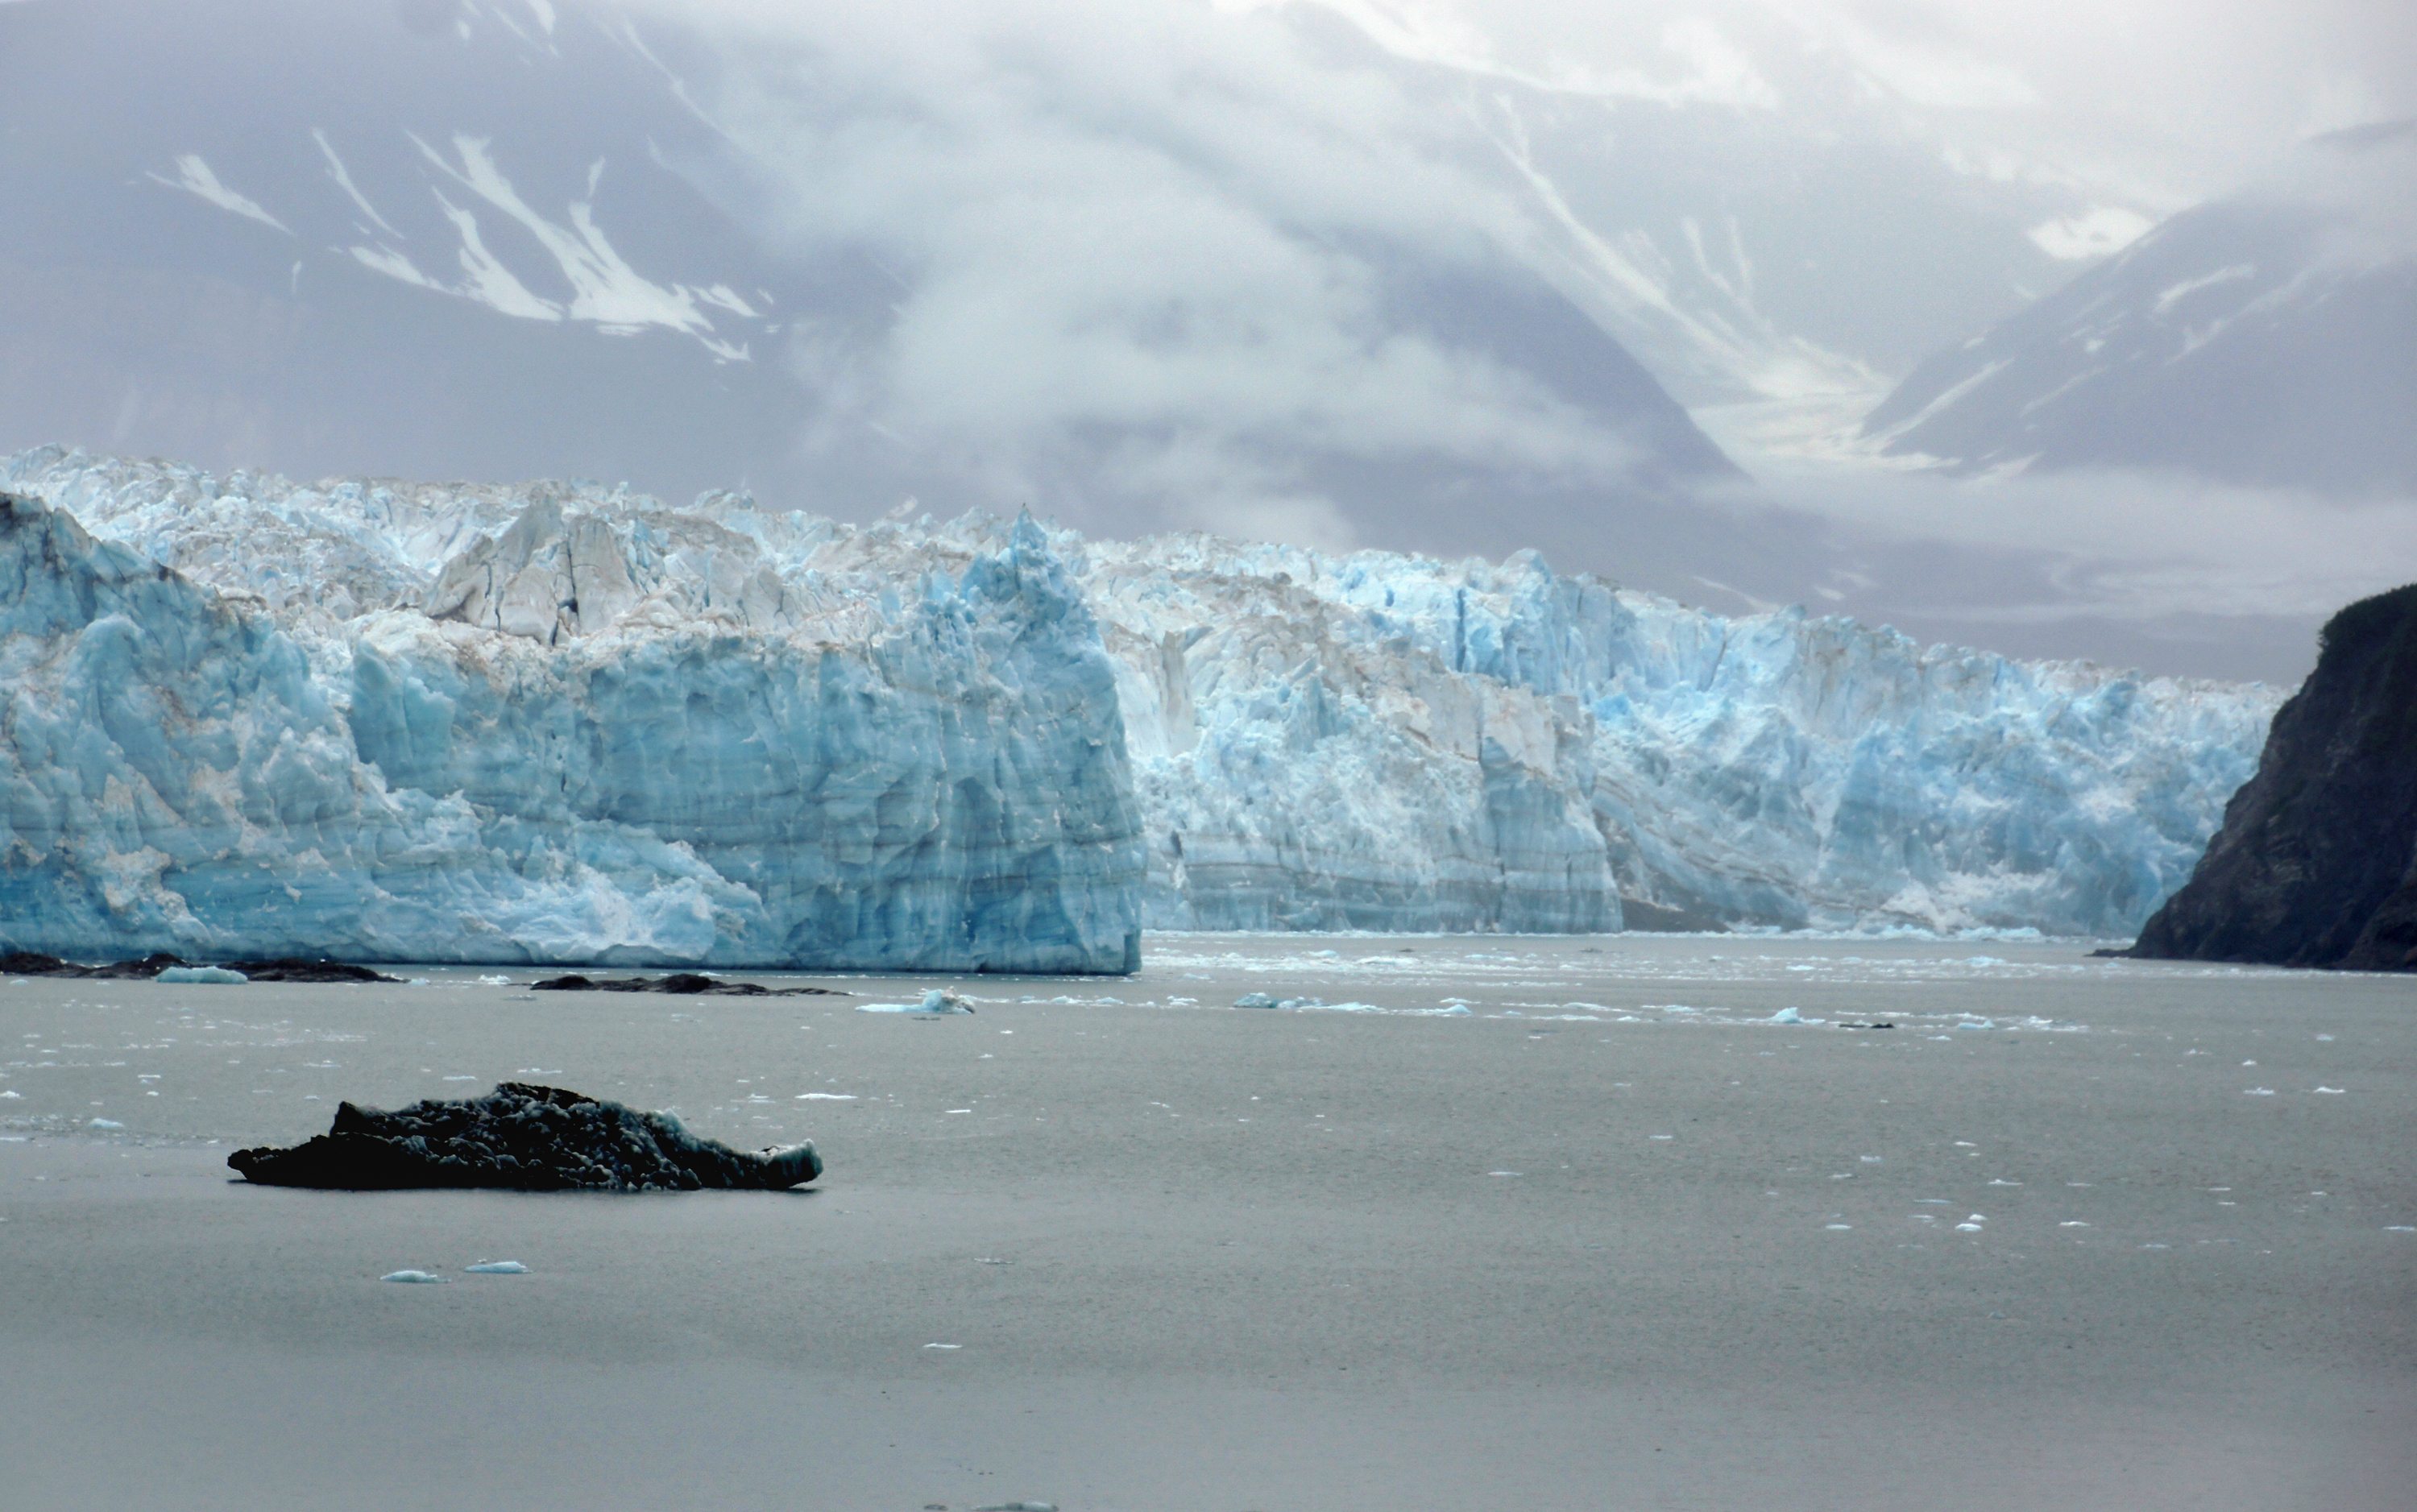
(564, 723)
(487, 726)
(1373, 741)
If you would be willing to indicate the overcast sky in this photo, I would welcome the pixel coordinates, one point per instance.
(1257, 266)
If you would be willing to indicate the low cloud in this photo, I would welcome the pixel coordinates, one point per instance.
(1138, 251)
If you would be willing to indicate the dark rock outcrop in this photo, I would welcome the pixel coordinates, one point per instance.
(679, 984)
(2316, 862)
(522, 1138)
(34, 963)
(284, 969)
(302, 969)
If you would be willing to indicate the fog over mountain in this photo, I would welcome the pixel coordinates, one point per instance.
(2265, 337)
(1451, 279)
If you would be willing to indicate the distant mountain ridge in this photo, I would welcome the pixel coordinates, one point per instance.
(501, 239)
(2267, 338)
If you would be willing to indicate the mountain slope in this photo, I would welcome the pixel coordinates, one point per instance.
(2267, 339)
(503, 239)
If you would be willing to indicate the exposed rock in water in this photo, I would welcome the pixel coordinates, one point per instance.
(679, 983)
(284, 969)
(300, 969)
(34, 963)
(522, 1138)
(2316, 862)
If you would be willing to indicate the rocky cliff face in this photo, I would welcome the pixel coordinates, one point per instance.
(2316, 862)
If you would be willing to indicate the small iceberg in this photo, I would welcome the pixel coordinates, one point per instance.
(494, 1268)
(202, 976)
(935, 1001)
(413, 1278)
(1786, 1016)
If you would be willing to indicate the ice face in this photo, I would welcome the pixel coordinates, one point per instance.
(606, 730)
(686, 762)
(1376, 741)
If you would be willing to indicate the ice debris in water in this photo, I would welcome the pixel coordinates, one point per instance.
(1787, 1016)
(415, 1278)
(497, 1268)
(106, 1123)
(202, 976)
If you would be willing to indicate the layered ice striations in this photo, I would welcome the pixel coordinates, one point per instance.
(553, 724)
(481, 725)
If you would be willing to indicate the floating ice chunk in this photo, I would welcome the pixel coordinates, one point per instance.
(1837, 1225)
(1457, 1011)
(1872, 1159)
(825, 1097)
(944, 1345)
(2332, 1091)
(1968, 1228)
(415, 1278)
(2156, 1247)
(2001, 1180)
(1254, 999)
(203, 976)
(497, 1268)
(106, 1123)
(1977, 1023)
(11, 1094)
(1325, 955)
(934, 1001)
(1506, 1173)
(2072, 1223)
(1786, 1016)
(2257, 1092)
(496, 981)
(2400, 1228)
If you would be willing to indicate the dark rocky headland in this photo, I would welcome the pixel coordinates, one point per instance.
(2316, 862)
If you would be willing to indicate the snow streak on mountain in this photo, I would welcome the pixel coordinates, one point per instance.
(2268, 338)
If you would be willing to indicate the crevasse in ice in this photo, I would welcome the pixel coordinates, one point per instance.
(1273, 738)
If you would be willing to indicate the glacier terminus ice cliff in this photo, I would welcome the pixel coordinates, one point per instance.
(559, 723)
(456, 725)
